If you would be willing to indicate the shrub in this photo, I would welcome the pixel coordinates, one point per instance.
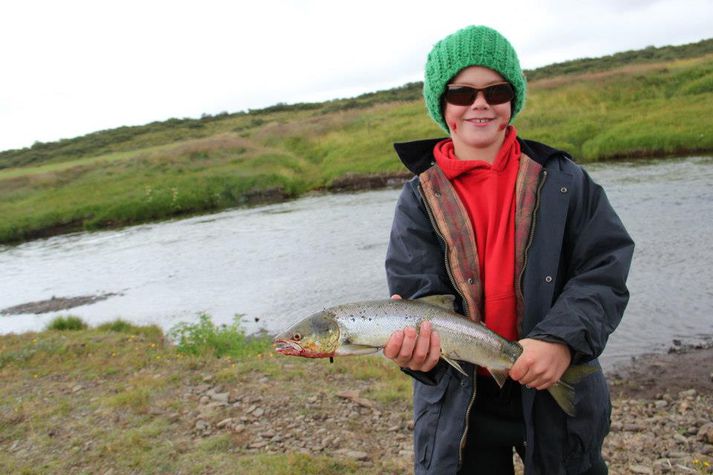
(204, 338)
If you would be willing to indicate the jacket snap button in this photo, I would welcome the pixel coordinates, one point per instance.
(563, 189)
(548, 279)
(470, 280)
(438, 194)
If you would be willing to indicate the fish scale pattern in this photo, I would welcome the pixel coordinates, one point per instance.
(372, 323)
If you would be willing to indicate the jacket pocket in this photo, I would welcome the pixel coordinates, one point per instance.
(586, 431)
(427, 404)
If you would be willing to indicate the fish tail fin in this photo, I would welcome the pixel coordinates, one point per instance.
(563, 394)
(563, 390)
(575, 374)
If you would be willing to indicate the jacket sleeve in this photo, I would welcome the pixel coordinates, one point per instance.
(597, 253)
(415, 263)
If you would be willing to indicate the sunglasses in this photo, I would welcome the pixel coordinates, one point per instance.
(466, 95)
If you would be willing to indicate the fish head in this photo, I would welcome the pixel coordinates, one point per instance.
(317, 336)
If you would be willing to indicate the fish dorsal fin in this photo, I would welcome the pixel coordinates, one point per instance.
(443, 301)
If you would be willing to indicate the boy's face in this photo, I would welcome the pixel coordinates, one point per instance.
(479, 125)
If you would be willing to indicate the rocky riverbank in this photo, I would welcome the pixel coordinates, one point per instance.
(662, 419)
(97, 401)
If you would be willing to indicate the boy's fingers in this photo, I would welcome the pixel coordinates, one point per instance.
(393, 346)
(434, 352)
(407, 346)
(423, 344)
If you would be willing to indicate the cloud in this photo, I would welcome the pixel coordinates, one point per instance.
(78, 66)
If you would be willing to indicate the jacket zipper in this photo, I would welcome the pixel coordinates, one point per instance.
(467, 420)
(468, 313)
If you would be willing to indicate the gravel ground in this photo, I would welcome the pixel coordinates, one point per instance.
(662, 419)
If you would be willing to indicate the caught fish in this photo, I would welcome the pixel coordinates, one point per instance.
(365, 327)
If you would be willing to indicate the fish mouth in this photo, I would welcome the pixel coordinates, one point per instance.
(287, 347)
(292, 348)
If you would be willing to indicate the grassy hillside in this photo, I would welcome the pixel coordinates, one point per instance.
(626, 58)
(621, 107)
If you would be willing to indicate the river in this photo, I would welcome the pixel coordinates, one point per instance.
(277, 263)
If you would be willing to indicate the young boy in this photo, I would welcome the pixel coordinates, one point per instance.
(530, 246)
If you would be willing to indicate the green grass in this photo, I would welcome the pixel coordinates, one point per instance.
(66, 323)
(122, 326)
(121, 397)
(649, 111)
(616, 108)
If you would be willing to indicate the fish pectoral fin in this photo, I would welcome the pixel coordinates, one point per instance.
(500, 375)
(455, 364)
(443, 301)
(351, 349)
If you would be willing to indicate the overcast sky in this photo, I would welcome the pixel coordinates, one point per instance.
(72, 67)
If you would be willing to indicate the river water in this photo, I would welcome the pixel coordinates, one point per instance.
(277, 263)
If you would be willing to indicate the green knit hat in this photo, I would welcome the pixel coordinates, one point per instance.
(471, 46)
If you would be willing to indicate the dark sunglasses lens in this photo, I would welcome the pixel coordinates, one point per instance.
(498, 94)
(460, 96)
(494, 95)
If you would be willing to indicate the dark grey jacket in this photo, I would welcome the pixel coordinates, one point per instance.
(574, 292)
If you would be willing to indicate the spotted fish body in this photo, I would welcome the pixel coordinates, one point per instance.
(365, 327)
(370, 324)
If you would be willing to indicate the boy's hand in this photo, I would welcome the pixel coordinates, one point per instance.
(418, 351)
(541, 363)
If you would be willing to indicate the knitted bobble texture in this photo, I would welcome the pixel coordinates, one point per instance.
(471, 46)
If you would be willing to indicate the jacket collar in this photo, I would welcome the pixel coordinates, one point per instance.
(417, 156)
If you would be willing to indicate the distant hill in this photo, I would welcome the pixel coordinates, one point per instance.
(648, 103)
(171, 130)
(650, 54)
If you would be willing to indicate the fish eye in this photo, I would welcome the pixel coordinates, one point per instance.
(297, 337)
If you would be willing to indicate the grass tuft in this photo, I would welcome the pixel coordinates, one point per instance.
(122, 326)
(68, 323)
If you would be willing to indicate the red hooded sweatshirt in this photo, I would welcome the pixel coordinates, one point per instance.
(488, 193)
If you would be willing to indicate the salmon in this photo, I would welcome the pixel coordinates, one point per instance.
(364, 327)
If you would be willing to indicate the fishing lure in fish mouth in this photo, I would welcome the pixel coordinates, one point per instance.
(364, 327)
